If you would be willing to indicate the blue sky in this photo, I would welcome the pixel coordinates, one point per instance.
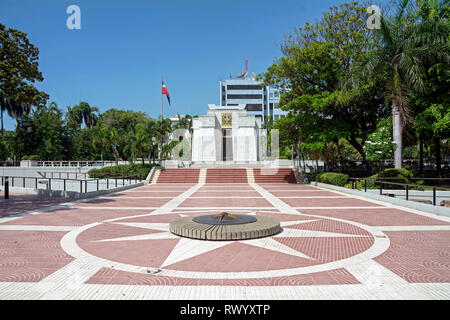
(117, 58)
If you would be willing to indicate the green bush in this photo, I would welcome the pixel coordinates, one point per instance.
(313, 176)
(337, 179)
(31, 157)
(394, 175)
(137, 171)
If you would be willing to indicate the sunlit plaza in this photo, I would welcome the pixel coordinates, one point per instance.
(321, 175)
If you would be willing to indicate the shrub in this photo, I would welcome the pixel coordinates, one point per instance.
(31, 157)
(137, 171)
(401, 175)
(337, 179)
(379, 145)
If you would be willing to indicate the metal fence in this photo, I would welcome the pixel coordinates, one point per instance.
(69, 184)
(383, 185)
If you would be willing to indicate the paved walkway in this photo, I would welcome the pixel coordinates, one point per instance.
(332, 246)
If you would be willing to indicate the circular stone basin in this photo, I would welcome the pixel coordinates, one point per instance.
(224, 226)
(224, 218)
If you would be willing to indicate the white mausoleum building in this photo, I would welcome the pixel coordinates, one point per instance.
(227, 133)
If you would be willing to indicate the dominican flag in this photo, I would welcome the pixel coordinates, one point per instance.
(165, 91)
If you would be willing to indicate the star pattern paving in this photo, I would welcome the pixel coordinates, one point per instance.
(190, 254)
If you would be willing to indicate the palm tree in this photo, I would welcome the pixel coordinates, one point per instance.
(88, 114)
(163, 127)
(114, 138)
(14, 107)
(73, 117)
(100, 139)
(268, 126)
(404, 44)
(131, 146)
(82, 112)
(152, 132)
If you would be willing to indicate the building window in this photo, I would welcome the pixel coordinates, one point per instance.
(253, 107)
(243, 87)
(244, 96)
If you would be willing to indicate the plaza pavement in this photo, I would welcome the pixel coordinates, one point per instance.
(332, 246)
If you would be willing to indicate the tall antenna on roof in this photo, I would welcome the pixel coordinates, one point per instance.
(244, 74)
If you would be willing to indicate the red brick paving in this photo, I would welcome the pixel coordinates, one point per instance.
(145, 253)
(305, 193)
(330, 226)
(418, 256)
(74, 216)
(110, 230)
(332, 277)
(327, 202)
(19, 203)
(220, 194)
(226, 202)
(30, 256)
(240, 257)
(325, 250)
(377, 217)
(119, 202)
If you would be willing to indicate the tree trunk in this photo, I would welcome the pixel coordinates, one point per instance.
(304, 163)
(355, 144)
(397, 135)
(437, 155)
(1, 117)
(420, 156)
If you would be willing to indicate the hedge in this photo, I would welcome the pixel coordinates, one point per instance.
(137, 171)
(337, 179)
(395, 175)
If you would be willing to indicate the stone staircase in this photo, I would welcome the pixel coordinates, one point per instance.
(202, 175)
(155, 176)
(250, 175)
(274, 175)
(179, 176)
(232, 175)
(224, 175)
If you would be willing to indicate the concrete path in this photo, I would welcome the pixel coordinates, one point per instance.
(332, 246)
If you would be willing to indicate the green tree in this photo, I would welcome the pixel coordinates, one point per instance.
(405, 43)
(138, 144)
(42, 133)
(163, 128)
(80, 113)
(379, 145)
(100, 140)
(311, 73)
(18, 70)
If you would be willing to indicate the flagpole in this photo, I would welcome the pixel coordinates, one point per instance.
(161, 99)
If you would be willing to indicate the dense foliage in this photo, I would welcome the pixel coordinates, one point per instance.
(341, 80)
(335, 178)
(138, 171)
(356, 97)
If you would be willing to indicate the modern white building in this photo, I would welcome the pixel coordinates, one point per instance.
(259, 100)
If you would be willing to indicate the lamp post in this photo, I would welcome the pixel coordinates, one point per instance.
(153, 149)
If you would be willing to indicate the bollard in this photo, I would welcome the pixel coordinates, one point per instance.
(434, 196)
(6, 187)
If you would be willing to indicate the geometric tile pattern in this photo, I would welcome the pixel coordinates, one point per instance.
(332, 245)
